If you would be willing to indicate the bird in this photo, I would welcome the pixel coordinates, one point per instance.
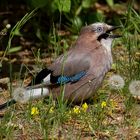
(76, 74)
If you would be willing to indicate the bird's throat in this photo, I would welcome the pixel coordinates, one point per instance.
(107, 43)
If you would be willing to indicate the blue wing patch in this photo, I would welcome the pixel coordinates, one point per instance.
(66, 79)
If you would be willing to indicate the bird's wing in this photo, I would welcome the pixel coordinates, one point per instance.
(71, 63)
(69, 67)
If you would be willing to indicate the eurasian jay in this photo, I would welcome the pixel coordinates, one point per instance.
(78, 73)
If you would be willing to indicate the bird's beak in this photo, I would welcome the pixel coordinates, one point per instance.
(108, 34)
(112, 28)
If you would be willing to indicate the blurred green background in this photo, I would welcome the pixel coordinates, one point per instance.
(68, 15)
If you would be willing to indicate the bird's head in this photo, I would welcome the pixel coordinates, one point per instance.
(104, 31)
(101, 32)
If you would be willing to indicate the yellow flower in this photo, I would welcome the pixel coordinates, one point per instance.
(76, 110)
(103, 104)
(84, 107)
(34, 111)
(51, 110)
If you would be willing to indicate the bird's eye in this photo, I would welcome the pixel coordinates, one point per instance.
(99, 29)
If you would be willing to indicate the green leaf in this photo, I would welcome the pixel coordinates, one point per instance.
(86, 3)
(14, 49)
(110, 2)
(63, 5)
(17, 32)
(66, 5)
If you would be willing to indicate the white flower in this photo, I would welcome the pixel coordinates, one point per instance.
(19, 95)
(116, 82)
(134, 87)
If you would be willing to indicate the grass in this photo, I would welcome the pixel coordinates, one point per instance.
(111, 114)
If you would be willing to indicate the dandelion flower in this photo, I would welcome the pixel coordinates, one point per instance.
(116, 82)
(103, 104)
(84, 107)
(19, 95)
(76, 110)
(34, 111)
(134, 88)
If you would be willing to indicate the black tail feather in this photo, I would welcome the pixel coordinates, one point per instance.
(7, 104)
(40, 76)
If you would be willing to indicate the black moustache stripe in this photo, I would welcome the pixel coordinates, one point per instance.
(105, 35)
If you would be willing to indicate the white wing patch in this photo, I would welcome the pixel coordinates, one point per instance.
(47, 79)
